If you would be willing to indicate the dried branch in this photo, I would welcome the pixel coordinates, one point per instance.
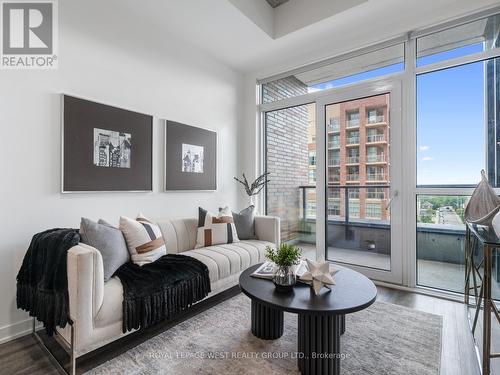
(256, 186)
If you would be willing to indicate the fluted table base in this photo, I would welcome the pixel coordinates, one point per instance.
(267, 322)
(319, 343)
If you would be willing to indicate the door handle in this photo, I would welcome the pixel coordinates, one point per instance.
(394, 195)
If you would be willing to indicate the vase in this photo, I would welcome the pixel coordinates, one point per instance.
(284, 279)
(251, 201)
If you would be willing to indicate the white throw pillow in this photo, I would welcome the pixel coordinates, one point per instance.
(215, 229)
(144, 240)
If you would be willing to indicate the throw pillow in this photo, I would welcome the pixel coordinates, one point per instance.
(144, 239)
(110, 243)
(215, 229)
(245, 223)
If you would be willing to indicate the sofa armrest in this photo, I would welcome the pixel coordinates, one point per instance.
(85, 284)
(267, 228)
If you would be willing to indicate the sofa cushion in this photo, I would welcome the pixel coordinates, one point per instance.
(245, 223)
(109, 241)
(144, 240)
(228, 259)
(215, 229)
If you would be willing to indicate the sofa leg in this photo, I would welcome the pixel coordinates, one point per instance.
(53, 359)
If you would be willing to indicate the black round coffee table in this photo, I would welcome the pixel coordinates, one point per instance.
(321, 318)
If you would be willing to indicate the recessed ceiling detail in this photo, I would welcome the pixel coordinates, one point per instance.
(276, 3)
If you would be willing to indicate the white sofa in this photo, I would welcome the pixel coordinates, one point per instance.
(96, 306)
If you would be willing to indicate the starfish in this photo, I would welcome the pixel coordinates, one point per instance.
(318, 274)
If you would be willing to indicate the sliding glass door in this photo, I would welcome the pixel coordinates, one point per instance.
(358, 158)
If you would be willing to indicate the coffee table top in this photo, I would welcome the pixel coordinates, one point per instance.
(352, 292)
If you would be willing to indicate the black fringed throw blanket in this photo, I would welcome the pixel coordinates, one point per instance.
(158, 291)
(42, 281)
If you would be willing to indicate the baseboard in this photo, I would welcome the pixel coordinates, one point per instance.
(13, 331)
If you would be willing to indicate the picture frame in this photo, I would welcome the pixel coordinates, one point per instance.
(190, 159)
(105, 148)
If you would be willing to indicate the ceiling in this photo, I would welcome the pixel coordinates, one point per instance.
(221, 30)
(276, 3)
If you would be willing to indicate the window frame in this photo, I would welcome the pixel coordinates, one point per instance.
(409, 189)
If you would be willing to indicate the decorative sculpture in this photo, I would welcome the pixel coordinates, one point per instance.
(318, 275)
(483, 205)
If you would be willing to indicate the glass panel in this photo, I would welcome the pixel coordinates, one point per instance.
(358, 219)
(440, 241)
(451, 124)
(477, 36)
(370, 65)
(291, 162)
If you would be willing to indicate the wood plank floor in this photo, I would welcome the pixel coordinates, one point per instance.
(24, 356)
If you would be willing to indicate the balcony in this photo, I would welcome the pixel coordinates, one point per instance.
(372, 120)
(353, 141)
(334, 144)
(334, 162)
(352, 177)
(378, 158)
(334, 125)
(352, 160)
(334, 178)
(376, 177)
(352, 123)
(374, 138)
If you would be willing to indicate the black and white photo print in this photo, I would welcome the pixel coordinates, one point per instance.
(111, 148)
(190, 157)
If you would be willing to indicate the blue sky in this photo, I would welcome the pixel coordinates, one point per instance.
(450, 122)
(450, 118)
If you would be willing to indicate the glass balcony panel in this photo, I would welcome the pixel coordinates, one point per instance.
(375, 138)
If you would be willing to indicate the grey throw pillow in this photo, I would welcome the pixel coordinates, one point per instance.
(109, 241)
(245, 223)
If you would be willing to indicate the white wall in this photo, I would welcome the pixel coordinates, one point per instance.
(106, 57)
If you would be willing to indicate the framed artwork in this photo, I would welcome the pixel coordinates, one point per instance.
(105, 148)
(190, 157)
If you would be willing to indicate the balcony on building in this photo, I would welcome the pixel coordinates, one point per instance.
(352, 177)
(333, 144)
(334, 125)
(352, 141)
(333, 162)
(375, 138)
(352, 160)
(380, 177)
(375, 159)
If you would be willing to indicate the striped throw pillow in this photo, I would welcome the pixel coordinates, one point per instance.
(144, 239)
(215, 229)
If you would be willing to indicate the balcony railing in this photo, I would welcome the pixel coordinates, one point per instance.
(375, 138)
(352, 123)
(334, 125)
(375, 119)
(334, 144)
(380, 158)
(352, 160)
(339, 199)
(333, 178)
(352, 140)
(333, 162)
(375, 177)
(353, 177)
